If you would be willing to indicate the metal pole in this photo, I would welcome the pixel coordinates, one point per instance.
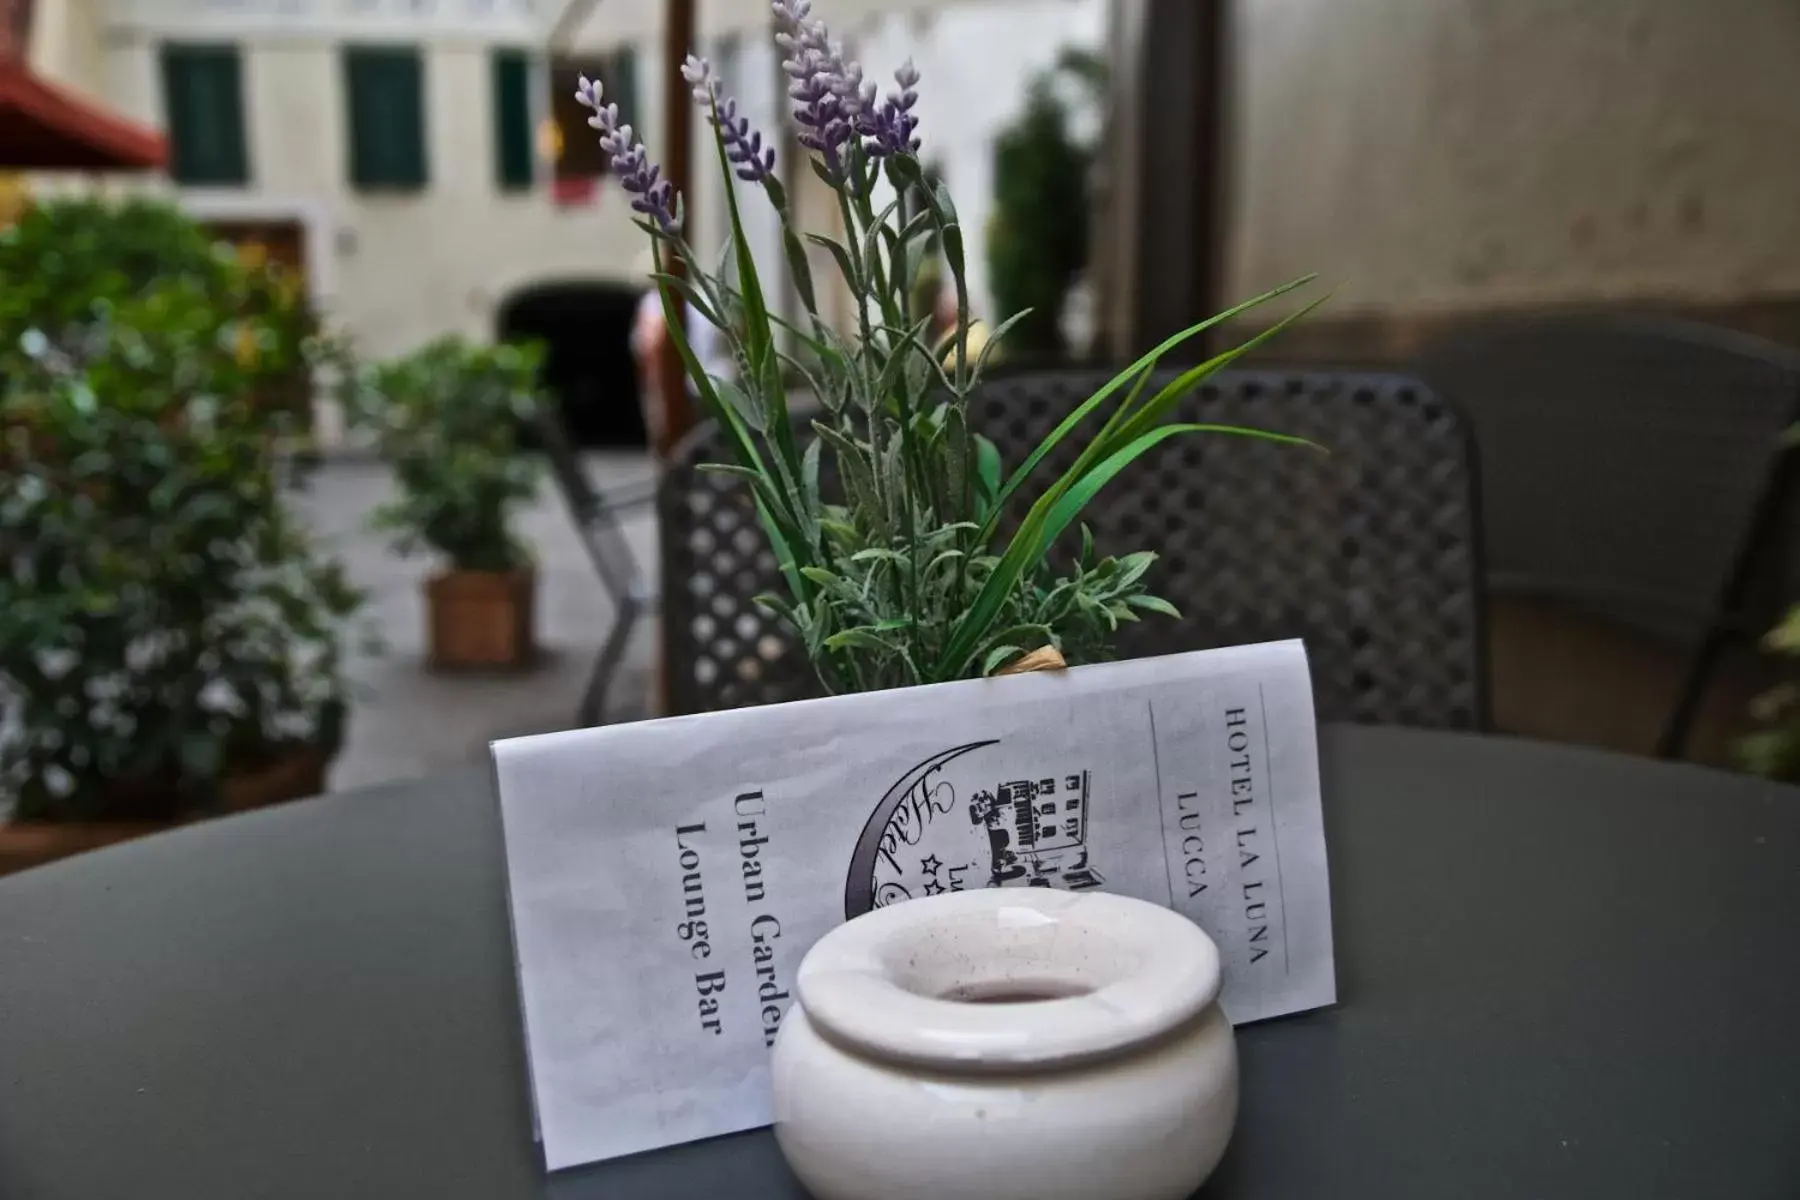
(678, 42)
(678, 417)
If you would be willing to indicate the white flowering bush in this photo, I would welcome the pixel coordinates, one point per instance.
(162, 618)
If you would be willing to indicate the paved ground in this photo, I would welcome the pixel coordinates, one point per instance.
(408, 722)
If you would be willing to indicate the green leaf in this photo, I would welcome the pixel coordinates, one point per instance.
(862, 638)
(752, 477)
(955, 475)
(748, 411)
(1785, 637)
(987, 471)
(1155, 604)
(943, 204)
(798, 267)
(917, 374)
(1005, 327)
(778, 605)
(691, 294)
(944, 557)
(894, 481)
(952, 235)
(809, 473)
(891, 373)
(997, 657)
(857, 472)
(842, 255)
(1132, 566)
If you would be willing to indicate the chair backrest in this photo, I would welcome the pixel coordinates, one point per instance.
(1369, 552)
(596, 521)
(1625, 462)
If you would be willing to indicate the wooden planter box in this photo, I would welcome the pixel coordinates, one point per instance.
(293, 776)
(480, 619)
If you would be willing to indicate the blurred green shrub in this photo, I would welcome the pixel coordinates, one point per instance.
(1037, 237)
(1774, 751)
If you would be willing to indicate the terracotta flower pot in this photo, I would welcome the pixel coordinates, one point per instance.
(295, 774)
(480, 619)
(33, 843)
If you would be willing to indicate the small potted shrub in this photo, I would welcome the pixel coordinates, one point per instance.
(446, 420)
(170, 641)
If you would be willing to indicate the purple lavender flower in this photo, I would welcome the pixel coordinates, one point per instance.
(829, 95)
(891, 129)
(650, 194)
(743, 146)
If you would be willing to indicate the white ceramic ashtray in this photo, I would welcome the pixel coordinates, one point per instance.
(1013, 1043)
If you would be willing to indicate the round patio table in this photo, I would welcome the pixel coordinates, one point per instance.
(1563, 974)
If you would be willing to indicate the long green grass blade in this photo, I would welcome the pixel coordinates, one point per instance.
(728, 420)
(1069, 506)
(759, 339)
(1159, 405)
(1145, 364)
(1048, 518)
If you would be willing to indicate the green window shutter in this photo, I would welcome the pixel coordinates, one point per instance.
(621, 87)
(512, 119)
(203, 95)
(384, 89)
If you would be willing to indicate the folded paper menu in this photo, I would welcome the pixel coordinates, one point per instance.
(667, 877)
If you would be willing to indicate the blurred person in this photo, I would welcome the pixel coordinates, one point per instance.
(649, 336)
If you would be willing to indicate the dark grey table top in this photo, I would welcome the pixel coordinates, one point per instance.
(1564, 974)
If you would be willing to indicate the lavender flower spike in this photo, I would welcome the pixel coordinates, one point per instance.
(829, 95)
(743, 146)
(891, 130)
(650, 194)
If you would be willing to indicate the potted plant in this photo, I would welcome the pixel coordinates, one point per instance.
(446, 420)
(935, 562)
(170, 640)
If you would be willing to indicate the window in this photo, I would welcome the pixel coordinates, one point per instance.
(579, 155)
(384, 90)
(512, 120)
(621, 82)
(203, 95)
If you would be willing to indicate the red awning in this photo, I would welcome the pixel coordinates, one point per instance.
(47, 128)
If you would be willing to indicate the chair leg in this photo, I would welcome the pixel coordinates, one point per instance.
(1674, 740)
(593, 700)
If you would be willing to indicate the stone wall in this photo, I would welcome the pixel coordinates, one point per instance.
(1456, 156)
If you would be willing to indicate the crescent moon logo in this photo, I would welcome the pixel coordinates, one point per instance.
(859, 886)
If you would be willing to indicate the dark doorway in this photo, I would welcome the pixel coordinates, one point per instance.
(586, 331)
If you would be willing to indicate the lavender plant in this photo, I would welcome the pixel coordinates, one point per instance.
(912, 570)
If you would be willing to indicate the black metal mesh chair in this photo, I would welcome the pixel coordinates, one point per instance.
(1631, 469)
(1369, 553)
(596, 517)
